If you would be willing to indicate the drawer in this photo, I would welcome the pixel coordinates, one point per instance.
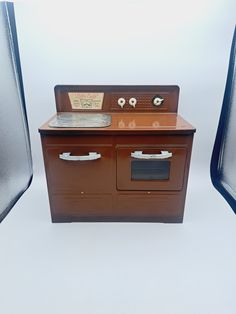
(157, 167)
(73, 169)
(150, 206)
(73, 207)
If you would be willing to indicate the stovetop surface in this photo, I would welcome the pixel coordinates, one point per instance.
(108, 122)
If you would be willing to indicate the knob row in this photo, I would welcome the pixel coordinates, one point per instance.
(157, 101)
(132, 102)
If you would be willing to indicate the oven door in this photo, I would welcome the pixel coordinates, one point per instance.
(152, 168)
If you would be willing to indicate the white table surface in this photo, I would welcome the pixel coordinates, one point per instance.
(101, 268)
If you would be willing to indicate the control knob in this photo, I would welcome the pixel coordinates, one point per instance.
(121, 102)
(157, 100)
(133, 102)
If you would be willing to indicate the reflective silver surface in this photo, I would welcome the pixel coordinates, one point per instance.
(80, 120)
(15, 155)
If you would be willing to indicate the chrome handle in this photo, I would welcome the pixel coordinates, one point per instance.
(139, 155)
(90, 156)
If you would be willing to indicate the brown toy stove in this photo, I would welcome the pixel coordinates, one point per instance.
(117, 153)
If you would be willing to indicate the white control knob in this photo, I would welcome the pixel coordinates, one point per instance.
(121, 102)
(157, 101)
(133, 102)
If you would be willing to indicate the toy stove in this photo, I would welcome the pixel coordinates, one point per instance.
(117, 153)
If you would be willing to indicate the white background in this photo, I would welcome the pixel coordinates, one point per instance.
(128, 42)
(123, 268)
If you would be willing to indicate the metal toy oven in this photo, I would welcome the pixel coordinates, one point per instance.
(117, 153)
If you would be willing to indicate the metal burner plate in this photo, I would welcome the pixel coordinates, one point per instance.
(80, 120)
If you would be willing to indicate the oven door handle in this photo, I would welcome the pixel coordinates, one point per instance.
(139, 155)
(90, 156)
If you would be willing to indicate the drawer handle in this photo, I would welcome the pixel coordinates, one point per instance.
(90, 156)
(139, 155)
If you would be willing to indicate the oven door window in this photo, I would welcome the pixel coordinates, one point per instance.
(150, 170)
